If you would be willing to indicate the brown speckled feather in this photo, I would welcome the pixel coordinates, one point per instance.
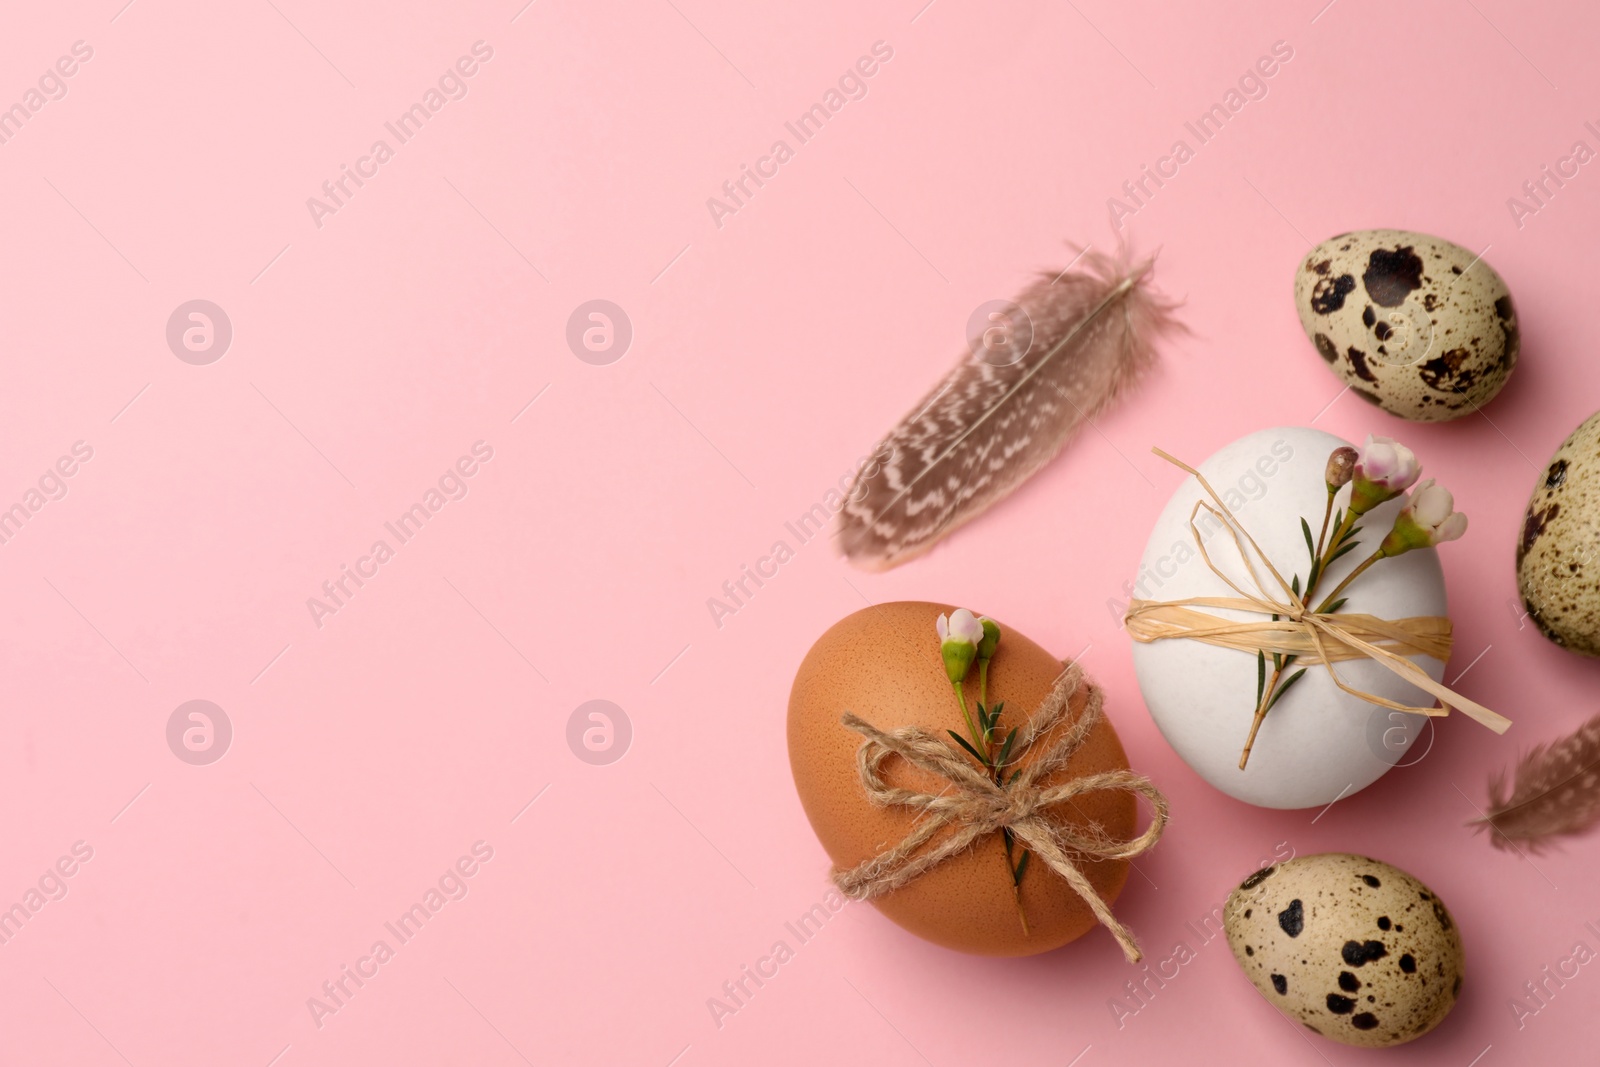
(1557, 793)
(1006, 410)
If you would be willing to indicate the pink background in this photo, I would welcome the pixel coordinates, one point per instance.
(768, 354)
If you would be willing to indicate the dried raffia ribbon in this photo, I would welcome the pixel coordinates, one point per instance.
(974, 805)
(1296, 629)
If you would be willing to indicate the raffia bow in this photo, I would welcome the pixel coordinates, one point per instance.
(974, 805)
(1290, 627)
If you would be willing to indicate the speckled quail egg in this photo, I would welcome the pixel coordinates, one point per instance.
(1558, 557)
(1421, 327)
(1353, 949)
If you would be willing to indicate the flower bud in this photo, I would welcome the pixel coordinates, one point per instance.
(1341, 467)
(991, 637)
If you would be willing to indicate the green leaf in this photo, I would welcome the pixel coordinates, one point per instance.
(1342, 550)
(1014, 776)
(1335, 606)
(1005, 749)
(964, 743)
(1295, 585)
(1353, 532)
(1261, 676)
(1311, 544)
(1293, 678)
(1022, 868)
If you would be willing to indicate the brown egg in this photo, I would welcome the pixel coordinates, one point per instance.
(883, 664)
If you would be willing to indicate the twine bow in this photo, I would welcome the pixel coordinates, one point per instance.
(975, 805)
(1292, 628)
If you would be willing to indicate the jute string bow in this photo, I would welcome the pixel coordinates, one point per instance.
(1292, 628)
(974, 805)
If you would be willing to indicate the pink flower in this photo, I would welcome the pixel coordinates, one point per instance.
(1385, 469)
(962, 625)
(1429, 518)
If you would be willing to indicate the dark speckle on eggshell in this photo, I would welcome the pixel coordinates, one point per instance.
(1392, 275)
(1358, 363)
(1533, 526)
(1449, 372)
(1360, 953)
(1293, 918)
(1280, 983)
(1257, 878)
(1329, 293)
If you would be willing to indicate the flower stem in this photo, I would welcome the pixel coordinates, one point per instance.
(1277, 674)
(1358, 572)
(1327, 516)
(1016, 883)
(1348, 521)
(983, 702)
(1261, 713)
(972, 729)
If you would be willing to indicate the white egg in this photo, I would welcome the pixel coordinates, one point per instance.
(1318, 743)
